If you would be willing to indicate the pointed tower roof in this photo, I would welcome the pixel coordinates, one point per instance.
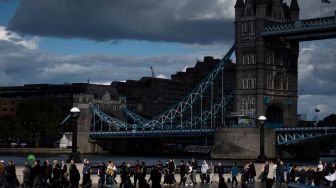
(294, 5)
(239, 4)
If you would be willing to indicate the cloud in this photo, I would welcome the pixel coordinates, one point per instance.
(20, 63)
(6, 35)
(317, 68)
(185, 21)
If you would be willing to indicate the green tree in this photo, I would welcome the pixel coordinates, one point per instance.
(39, 119)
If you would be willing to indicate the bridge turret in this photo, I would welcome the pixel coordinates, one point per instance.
(239, 8)
(249, 9)
(294, 10)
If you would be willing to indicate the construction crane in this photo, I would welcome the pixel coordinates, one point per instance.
(153, 74)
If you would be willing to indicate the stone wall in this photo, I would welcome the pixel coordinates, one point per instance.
(242, 143)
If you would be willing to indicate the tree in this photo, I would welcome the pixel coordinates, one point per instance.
(40, 119)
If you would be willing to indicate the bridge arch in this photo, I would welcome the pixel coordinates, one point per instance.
(275, 116)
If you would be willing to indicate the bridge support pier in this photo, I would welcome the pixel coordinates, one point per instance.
(242, 143)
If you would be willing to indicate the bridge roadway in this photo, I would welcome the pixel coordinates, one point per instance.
(303, 30)
(284, 136)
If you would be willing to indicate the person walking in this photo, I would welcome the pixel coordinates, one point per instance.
(220, 170)
(194, 165)
(155, 177)
(189, 173)
(222, 183)
(123, 174)
(270, 174)
(11, 178)
(183, 172)
(211, 173)
(234, 173)
(26, 174)
(56, 176)
(64, 175)
(110, 171)
(74, 175)
(34, 180)
(86, 174)
(204, 170)
(101, 174)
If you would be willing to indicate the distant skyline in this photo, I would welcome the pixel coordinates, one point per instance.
(58, 41)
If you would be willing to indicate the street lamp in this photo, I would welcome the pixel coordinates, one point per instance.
(262, 120)
(74, 114)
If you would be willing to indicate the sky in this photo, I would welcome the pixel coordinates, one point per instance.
(58, 41)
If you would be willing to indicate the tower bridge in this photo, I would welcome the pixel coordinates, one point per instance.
(267, 36)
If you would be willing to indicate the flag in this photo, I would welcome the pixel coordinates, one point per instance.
(325, 1)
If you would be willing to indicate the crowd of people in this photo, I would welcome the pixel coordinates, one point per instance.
(58, 175)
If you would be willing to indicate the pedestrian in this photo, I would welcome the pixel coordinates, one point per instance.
(234, 173)
(136, 172)
(220, 170)
(49, 171)
(101, 174)
(212, 173)
(2, 173)
(110, 171)
(128, 179)
(64, 175)
(204, 170)
(142, 175)
(43, 175)
(26, 173)
(302, 176)
(74, 175)
(270, 175)
(189, 173)
(281, 172)
(183, 172)
(86, 174)
(222, 183)
(292, 174)
(318, 176)
(34, 180)
(56, 176)
(123, 174)
(155, 177)
(10, 171)
(252, 172)
(310, 175)
(194, 165)
(171, 170)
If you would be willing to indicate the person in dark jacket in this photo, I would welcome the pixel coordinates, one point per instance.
(252, 172)
(194, 165)
(74, 175)
(43, 175)
(222, 183)
(123, 174)
(220, 170)
(86, 174)
(56, 176)
(64, 174)
(11, 175)
(171, 170)
(310, 175)
(302, 176)
(49, 171)
(26, 174)
(183, 171)
(292, 174)
(101, 174)
(155, 177)
(35, 174)
(318, 176)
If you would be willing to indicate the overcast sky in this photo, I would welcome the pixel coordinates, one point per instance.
(57, 41)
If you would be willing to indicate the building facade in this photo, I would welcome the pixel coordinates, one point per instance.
(266, 72)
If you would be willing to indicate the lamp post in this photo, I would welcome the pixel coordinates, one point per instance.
(74, 114)
(262, 120)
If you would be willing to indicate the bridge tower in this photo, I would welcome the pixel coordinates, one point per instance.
(266, 72)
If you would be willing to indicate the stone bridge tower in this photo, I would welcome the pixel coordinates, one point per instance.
(266, 77)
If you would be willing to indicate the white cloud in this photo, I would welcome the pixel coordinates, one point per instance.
(18, 40)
